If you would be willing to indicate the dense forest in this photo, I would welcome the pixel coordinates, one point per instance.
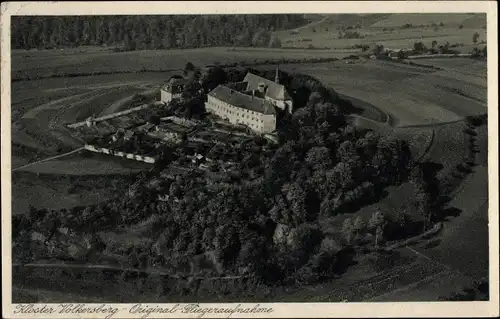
(150, 32)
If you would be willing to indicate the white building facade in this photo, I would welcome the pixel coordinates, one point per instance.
(173, 89)
(256, 113)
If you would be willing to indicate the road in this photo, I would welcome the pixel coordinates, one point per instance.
(49, 159)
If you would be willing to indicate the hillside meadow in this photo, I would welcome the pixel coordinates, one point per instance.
(390, 30)
(412, 95)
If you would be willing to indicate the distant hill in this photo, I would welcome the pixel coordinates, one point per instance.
(415, 19)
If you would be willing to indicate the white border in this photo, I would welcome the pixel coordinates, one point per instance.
(302, 310)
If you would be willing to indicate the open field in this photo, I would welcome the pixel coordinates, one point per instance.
(26, 64)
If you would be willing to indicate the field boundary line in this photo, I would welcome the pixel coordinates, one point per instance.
(449, 268)
(432, 124)
(428, 148)
(409, 286)
(49, 158)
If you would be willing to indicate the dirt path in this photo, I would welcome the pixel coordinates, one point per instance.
(112, 268)
(49, 159)
(312, 24)
(143, 84)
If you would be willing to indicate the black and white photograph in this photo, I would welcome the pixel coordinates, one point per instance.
(261, 158)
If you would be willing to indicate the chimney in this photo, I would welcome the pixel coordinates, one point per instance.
(276, 77)
(253, 94)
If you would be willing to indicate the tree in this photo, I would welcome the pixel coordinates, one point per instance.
(359, 225)
(434, 43)
(154, 119)
(275, 42)
(419, 47)
(475, 37)
(261, 38)
(211, 78)
(401, 55)
(348, 230)
(346, 151)
(344, 175)
(423, 205)
(443, 49)
(319, 157)
(189, 66)
(377, 49)
(296, 197)
(377, 223)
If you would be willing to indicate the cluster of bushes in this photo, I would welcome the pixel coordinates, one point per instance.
(363, 47)
(479, 54)
(350, 35)
(349, 27)
(477, 120)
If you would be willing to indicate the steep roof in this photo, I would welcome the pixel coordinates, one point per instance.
(241, 100)
(275, 90)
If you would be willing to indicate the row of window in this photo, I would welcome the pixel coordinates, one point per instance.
(229, 110)
(218, 102)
